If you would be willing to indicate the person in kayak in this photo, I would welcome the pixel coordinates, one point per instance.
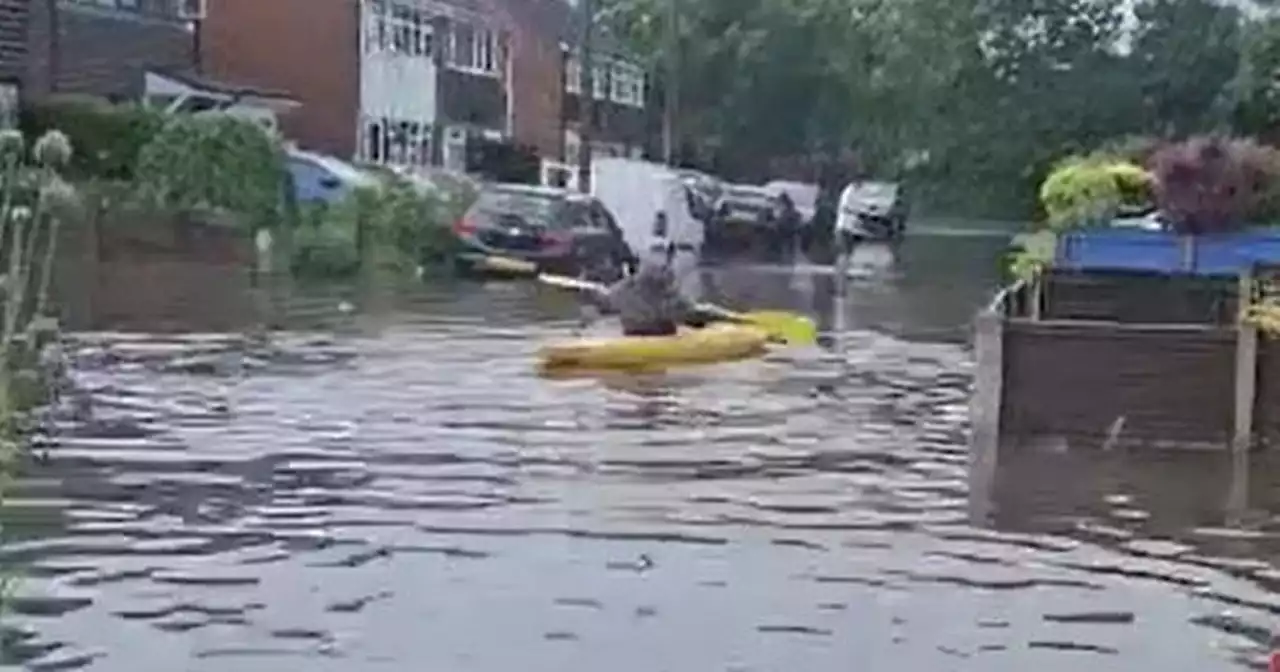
(648, 302)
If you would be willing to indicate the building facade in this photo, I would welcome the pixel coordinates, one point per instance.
(13, 57)
(106, 47)
(547, 82)
(537, 72)
(398, 82)
(619, 118)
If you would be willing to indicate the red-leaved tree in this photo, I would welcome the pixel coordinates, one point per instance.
(1215, 184)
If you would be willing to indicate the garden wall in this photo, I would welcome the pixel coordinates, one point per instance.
(1135, 297)
(1266, 413)
(133, 270)
(1169, 383)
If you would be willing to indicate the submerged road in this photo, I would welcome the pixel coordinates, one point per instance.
(395, 489)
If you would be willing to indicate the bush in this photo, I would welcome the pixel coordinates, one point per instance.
(108, 138)
(1214, 184)
(1088, 191)
(322, 248)
(406, 225)
(216, 162)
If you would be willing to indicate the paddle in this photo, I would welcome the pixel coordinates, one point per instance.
(788, 328)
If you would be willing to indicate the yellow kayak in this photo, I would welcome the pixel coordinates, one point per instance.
(718, 342)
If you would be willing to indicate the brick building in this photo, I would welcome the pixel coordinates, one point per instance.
(104, 47)
(546, 85)
(404, 82)
(13, 53)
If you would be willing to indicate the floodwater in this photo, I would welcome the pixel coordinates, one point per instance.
(392, 488)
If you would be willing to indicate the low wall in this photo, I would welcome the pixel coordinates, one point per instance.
(1266, 408)
(1168, 383)
(1143, 298)
(132, 270)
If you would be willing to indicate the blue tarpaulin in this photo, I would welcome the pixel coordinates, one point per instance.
(1165, 252)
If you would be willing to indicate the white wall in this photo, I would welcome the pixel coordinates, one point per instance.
(397, 80)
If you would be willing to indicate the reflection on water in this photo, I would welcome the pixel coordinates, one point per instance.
(394, 489)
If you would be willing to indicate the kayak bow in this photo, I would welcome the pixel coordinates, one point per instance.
(780, 325)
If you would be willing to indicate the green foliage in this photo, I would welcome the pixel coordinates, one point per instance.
(401, 225)
(1032, 253)
(993, 92)
(323, 248)
(214, 162)
(1088, 191)
(107, 137)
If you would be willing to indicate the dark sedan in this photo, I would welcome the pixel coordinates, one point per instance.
(559, 230)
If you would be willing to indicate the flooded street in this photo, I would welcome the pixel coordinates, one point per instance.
(394, 488)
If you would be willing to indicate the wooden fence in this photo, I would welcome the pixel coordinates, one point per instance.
(1158, 360)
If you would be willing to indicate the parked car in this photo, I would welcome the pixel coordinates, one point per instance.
(706, 191)
(881, 206)
(745, 204)
(320, 178)
(803, 195)
(560, 230)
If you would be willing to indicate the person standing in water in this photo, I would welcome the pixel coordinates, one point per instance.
(850, 231)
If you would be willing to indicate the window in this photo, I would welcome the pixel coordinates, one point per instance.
(572, 75)
(475, 50)
(603, 220)
(9, 97)
(396, 142)
(572, 148)
(119, 5)
(626, 85)
(398, 28)
(600, 81)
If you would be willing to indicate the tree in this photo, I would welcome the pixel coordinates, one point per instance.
(974, 100)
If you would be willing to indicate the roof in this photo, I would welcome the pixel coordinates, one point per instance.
(220, 87)
(530, 189)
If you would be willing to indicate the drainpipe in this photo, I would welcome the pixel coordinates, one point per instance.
(586, 96)
(670, 90)
(197, 45)
(53, 65)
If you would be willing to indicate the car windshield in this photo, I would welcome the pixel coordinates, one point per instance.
(535, 208)
(748, 196)
(879, 191)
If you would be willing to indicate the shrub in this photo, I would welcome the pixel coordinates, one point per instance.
(1214, 184)
(1088, 191)
(217, 162)
(107, 137)
(323, 248)
(406, 225)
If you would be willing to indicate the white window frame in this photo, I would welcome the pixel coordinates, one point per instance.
(626, 84)
(400, 28)
(600, 81)
(485, 57)
(114, 5)
(572, 147)
(387, 141)
(572, 75)
(10, 104)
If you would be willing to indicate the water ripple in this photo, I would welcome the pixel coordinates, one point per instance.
(403, 492)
